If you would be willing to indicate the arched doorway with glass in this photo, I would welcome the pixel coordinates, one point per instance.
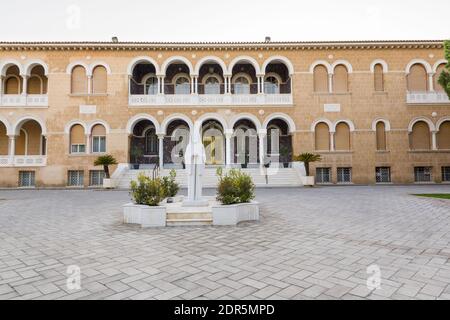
(175, 143)
(144, 147)
(244, 144)
(214, 143)
(278, 143)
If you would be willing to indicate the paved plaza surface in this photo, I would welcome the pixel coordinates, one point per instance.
(310, 243)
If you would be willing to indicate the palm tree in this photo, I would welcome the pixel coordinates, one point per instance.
(307, 158)
(105, 161)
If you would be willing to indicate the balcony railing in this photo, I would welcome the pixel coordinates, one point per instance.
(23, 161)
(427, 98)
(19, 100)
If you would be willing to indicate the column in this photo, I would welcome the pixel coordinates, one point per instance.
(262, 152)
(1, 89)
(225, 85)
(229, 84)
(331, 140)
(161, 149)
(430, 82)
(161, 81)
(89, 88)
(330, 83)
(88, 143)
(228, 136)
(192, 84)
(433, 140)
(12, 148)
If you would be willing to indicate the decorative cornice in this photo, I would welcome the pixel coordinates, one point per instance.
(219, 46)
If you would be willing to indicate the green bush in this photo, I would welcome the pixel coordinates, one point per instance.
(147, 191)
(170, 186)
(235, 187)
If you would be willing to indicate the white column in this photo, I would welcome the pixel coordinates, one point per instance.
(88, 143)
(258, 79)
(192, 84)
(25, 84)
(262, 152)
(229, 84)
(161, 149)
(89, 89)
(430, 82)
(12, 147)
(228, 136)
(159, 84)
(331, 140)
(1, 89)
(225, 85)
(330, 83)
(433, 140)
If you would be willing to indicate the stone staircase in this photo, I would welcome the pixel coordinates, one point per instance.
(281, 177)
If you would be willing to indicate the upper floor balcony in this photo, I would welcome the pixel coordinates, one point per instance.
(23, 86)
(209, 83)
(427, 98)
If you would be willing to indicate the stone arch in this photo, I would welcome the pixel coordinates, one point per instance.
(247, 116)
(176, 116)
(174, 59)
(381, 62)
(348, 122)
(278, 115)
(141, 59)
(4, 65)
(71, 123)
(18, 124)
(431, 126)
(320, 62)
(33, 63)
(142, 116)
(424, 63)
(207, 59)
(387, 124)
(344, 63)
(247, 59)
(92, 124)
(281, 59)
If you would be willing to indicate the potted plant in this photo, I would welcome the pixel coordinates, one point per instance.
(106, 161)
(136, 153)
(145, 210)
(307, 158)
(170, 186)
(235, 192)
(284, 156)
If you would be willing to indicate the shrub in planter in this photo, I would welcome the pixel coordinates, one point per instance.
(105, 161)
(170, 186)
(235, 187)
(147, 191)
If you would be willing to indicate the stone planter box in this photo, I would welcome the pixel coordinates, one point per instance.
(307, 180)
(108, 183)
(231, 215)
(146, 216)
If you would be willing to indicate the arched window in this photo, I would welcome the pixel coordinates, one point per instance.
(99, 80)
(322, 136)
(37, 82)
(98, 139)
(443, 136)
(417, 78)
(79, 81)
(320, 79)
(77, 139)
(420, 136)
(12, 85)
(151, 85)
(3, 140)
(241, 85)
(212, 84)
(340, 79)
(271, 84)
(342, 136)
(13, 81)
(378, 77)
(381, 136)
(439, 69)
(151, 141)
(182, 85)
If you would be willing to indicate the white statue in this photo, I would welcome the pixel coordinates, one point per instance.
(194, 159)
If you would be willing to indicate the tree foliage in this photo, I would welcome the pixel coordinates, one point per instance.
(444, 77)
(307, 158)
(105, 161)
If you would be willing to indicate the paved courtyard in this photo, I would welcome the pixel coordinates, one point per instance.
(310, 243)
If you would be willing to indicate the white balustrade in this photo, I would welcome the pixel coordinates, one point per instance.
(18, 100)
(210, 99)
(427, 98)
(23, 161)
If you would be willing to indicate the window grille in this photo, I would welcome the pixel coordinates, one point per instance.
(422, 174)
(344, 175)
(383, 174)
(445, 174)
(26, 179)
(96, 177)
(323, 175)
(76, 178)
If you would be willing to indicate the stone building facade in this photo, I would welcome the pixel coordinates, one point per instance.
(373, 110)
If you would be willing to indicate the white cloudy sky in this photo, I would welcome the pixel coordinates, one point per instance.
(223, 20)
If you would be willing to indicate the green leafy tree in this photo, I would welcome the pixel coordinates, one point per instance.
(444, 77)
(105, 161)
(307, 158)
